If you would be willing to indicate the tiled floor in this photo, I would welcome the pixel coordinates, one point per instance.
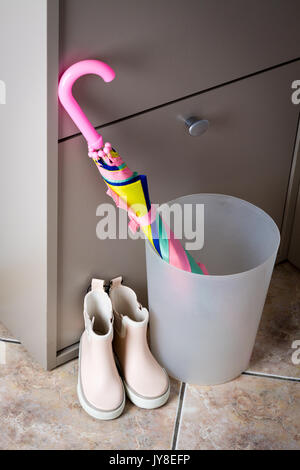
(259, 410)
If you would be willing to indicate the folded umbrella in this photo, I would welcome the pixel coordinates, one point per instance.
(128, 189)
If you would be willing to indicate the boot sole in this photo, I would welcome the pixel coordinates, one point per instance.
(103, 415)
(96, 413)
(139, 400)
(145, 402)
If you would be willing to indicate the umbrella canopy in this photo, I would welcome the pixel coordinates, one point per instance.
(129, 190)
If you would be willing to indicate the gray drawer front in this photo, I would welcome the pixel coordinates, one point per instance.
(163, 50)
(246, 152)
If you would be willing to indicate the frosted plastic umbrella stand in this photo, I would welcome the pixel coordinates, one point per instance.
(203, 328)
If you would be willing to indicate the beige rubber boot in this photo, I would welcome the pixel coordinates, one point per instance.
(146, 382)
(100, 388)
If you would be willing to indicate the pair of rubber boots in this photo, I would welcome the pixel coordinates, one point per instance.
(115, 338)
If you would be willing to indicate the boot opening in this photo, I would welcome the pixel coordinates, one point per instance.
(98, 307)
(125, 302)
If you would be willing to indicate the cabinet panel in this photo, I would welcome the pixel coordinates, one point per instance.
(163, 50)
(294, 251)
(28, 191)
(246, 152)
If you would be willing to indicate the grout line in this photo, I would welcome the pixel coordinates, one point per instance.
(10, 340)
(178, 416)
(271, 376)
(177, 100)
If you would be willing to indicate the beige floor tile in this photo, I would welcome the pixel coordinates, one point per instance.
(280, 325)
(40, 410)
(248, 413)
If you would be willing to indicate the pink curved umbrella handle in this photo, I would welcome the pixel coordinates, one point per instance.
(66, 82)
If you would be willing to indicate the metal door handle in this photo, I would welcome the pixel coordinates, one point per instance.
(196, 126)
